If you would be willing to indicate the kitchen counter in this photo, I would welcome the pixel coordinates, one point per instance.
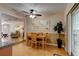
(6, 46)
(4, 42)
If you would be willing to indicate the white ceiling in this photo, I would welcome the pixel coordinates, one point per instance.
(15, 10)
(40, 7)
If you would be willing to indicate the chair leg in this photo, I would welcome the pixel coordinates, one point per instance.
(27, 42)
(31, 44)
(39, 44)
(36, 44)
(45, 46)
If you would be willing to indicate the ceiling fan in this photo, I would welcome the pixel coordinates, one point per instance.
(32, 13)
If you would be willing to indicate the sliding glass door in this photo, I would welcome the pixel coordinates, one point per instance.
(75, 32)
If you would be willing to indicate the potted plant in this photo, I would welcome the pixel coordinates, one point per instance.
(59, 29)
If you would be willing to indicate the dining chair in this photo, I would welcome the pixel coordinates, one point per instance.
(34, 40)
(45, 39)
(40, 40)
(29, 40)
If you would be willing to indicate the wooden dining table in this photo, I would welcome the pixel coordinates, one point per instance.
(42, 37)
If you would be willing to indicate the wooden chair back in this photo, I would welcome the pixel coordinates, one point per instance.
(33, 36)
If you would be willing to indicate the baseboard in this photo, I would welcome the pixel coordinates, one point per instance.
(53, 44)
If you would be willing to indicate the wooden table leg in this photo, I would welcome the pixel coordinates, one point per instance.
(43, 44)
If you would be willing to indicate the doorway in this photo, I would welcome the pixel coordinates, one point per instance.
(12, 28)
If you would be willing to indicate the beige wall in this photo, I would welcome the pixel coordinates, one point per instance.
(68, 7)
(52, 37)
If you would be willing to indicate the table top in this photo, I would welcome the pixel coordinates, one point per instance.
(41, 36)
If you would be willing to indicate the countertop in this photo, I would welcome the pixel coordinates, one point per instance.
(5, 42)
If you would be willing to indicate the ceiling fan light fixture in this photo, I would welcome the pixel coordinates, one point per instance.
(32, 16)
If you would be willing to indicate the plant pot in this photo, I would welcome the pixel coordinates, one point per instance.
(59, 43)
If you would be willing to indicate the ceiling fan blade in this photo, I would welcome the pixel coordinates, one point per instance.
(24, 11)
(27, 15)
(38, 14)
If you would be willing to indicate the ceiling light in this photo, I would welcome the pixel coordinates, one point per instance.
(32, 16)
